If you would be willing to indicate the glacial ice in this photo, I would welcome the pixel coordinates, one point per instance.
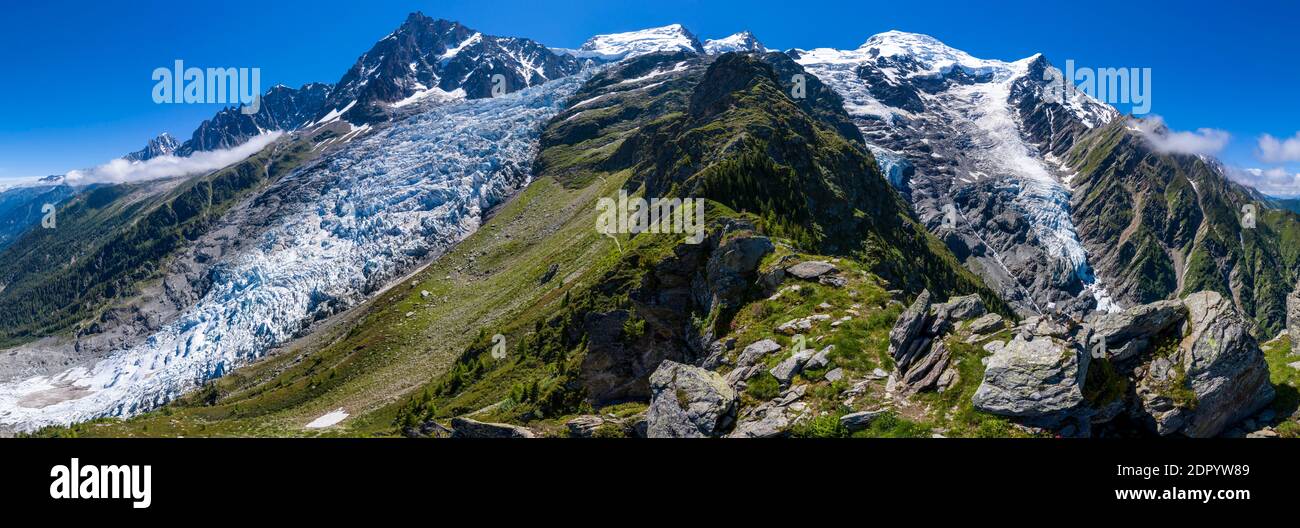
(385, 202)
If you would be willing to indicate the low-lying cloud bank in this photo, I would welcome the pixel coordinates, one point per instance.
(123, 171)
(1204, 141)
(1277, 181)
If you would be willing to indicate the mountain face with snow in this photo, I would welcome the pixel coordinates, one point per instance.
(163, 145)
(617, 46)
(440, 58)
(969, 142)
(740, 42)
(282, 108)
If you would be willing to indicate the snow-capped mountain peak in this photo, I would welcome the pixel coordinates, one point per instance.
(743, 41)
(616, 46)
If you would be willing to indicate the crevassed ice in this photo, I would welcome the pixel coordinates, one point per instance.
(385, 203)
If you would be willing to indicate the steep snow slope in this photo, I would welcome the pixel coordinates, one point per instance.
(743, 41)
(380, 205)
(618, 46)
(951, 128)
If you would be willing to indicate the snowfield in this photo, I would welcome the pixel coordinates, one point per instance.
(384, 203)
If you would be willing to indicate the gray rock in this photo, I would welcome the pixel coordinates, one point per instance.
(718, 353)
(811, 270)
(792, 365)
(756, 351)
(821, 359)
(467, 428)
(956, 309)
(924, 373)
(765, 421)
(739, 375)
(834, 375)
(1128, 333)
(989, 323)
(1041, 380)
(908, 328)
(1293, 319)
(1221, 365)
(859, 420)
(833, 281)
(801, 325)
(688, 402)
(585, 426)
(994, 346)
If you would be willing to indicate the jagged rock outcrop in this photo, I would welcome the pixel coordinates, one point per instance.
(1188, 367)
(689, 402)
(1217, 376)
(915, 342)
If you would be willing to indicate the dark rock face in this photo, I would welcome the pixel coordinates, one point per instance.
(715, 276)
(282, 108)
(426, 53)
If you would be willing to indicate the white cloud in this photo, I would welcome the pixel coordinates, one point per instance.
(122, 171)
(1277, 181)
(1273, 150)
(1204, 141)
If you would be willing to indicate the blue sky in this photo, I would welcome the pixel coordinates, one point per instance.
(77, 86)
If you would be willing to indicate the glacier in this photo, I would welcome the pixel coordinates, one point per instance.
(379, 206)
(968, 137)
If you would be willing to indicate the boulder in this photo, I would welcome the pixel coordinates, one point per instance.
(821, 359)
(859, 420)
(801, 325)
(467, 428)
(786, 370)
(717, 353)
(1217, 376)
(1040, 380)
(834, 375)
(688, 402)
(924, 373)
(755, 352)
(989, 323)
(811, 269)
(956, 309)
